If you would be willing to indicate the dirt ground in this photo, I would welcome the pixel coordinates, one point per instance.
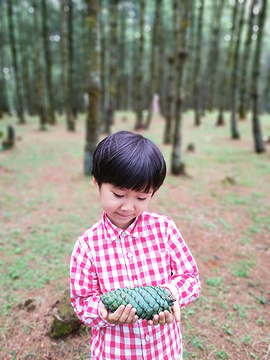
(212, 328)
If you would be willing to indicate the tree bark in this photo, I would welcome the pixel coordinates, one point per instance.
(113, 65)
(71, 93)
(234, 75)
(70, 121)
(197, 74)
(214, 52)
(256, 126)
(121, 73)
(245, 64)
(139, 75)
(154, 60)
(226, 80)
(38, 73)
(4, 100)
(18, 86)
(103, 54)
(177, 165)
(92, 120)
(170, 98)
(48, 64)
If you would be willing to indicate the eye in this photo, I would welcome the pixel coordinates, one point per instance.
(141, 199)
(118, 196)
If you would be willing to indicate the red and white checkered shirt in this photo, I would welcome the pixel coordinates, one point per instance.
(149, 251)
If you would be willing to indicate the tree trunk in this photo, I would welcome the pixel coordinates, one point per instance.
(38, 73)
(154, 60)
(4, 100)
(48, 64)
(139, 75)
(92, 120)
(170, 98)
(266, 92)
(113, 65)
(244, 66)
(18, 86)
(71, 92)
(226, 79)
(197, 82)
(234, 80)
(214, 52)
(70, 121)
(103, 55)
(256, 126)
(121, 76)
(177, 165)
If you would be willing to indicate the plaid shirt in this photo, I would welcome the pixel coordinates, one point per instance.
(149, 251)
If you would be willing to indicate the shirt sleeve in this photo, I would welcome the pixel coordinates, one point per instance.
(84, 287)
(184, 283)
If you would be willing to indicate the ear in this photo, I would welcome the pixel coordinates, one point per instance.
(95, 182)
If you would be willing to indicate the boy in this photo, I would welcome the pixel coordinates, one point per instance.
(131, 247)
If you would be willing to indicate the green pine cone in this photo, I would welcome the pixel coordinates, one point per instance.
(147, 300)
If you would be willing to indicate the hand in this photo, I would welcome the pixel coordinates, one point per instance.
(166, 317)
(123, 315)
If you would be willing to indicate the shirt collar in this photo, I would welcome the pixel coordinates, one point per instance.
(112, 232)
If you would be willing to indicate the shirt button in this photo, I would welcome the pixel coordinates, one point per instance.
(147, 337)
(130, 255)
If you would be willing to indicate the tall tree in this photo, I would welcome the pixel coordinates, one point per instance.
(38, 72)
(26, 43)
(139, 75)
(48, 63)
(103, 54)
(244, 76)
(70, 74)
(18, 85)
(214, 51)
(266, 92)
(197, 74)
(154, 59)
(93, 89)
(256, 126)
(235, 69)
(226, 75)
(113, 64)
(177, 165)
(170, 97)
(121, 69)
(4, 101)
(70, 121)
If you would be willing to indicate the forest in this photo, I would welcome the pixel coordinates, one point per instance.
(194, 77)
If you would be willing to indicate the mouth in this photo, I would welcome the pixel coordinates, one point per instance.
(124, 216)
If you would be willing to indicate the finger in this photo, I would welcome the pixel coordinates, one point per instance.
(126, 317)
(103, 311)
(135, 318)
(155, 320)
(176, 312)
(169, 317)
(161, 318)
(115, 316)
(132, 315)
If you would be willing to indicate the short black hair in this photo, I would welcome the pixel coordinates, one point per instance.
(129, 161)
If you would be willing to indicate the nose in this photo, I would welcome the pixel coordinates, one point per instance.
(127, 206)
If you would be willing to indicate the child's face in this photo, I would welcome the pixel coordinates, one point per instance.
(122, 206)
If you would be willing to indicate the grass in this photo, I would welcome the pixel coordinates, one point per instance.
(41, 219)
